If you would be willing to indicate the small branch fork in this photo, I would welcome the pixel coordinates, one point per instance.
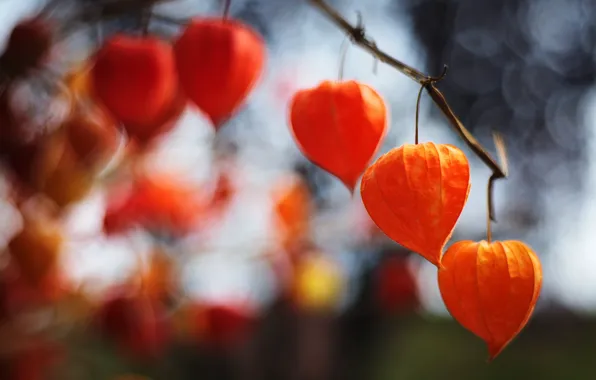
(358, 36)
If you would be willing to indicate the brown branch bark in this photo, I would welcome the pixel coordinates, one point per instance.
(359, 38)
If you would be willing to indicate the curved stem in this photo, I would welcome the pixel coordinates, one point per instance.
(343, 52)
(490, 207)
(417, 113)
(502, 154)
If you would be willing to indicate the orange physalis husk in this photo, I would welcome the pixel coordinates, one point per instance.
(416, 193)
(219, 63)
(158, 279)
(491, 288)
(293, 210)
(339, 126)
(156, 201)
(93, 137)
(135, 79)
(59, 174)
(144, 133)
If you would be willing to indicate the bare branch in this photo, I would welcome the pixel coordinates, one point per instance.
(359, 38)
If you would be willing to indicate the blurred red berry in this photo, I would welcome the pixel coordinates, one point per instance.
(222, 325)
(135, 323)
(397, 290)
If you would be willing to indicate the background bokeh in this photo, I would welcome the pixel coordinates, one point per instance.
(525, 68)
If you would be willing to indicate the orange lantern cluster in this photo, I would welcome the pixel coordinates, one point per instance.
(415, 194)
(144, 82)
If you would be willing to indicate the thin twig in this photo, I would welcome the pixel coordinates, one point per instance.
(358, 36)
(343, 52)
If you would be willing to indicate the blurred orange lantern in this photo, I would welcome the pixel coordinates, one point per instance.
(144, 132)
(222, 195)
(219, 63)
(416, 193)
(222, 325)
(93, 137)
(34, 361)
(136, 323)
(155, 201)
(51, 166)
(397, 290)
(491, 288)
(36, 248)
(293, 210)
(61, 163)
(339, 126)
(18, 293)
(28, 47)
(78, 81)
(158, 278)
(135, 79)
(58, 173)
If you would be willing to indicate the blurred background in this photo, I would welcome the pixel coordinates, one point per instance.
(284, 275)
